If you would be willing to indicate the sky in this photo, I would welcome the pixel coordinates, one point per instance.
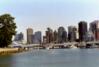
(40, 14)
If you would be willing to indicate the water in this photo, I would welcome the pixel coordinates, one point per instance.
(53, 58)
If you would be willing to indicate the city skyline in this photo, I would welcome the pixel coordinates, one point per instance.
(60, 35)
(39, 14)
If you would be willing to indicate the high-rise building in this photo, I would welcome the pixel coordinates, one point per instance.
(49, 35)
(72, 33)
(30, 36)
(90, 36)
(82, 30)
(37, 37)
(19, 37)
(44, 40)
(55, 36)
(62, 35)
(94, 27)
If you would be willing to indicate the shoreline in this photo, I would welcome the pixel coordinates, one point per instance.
(9, 51)
(5, 51)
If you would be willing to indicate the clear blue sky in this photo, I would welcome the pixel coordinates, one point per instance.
(40, 14)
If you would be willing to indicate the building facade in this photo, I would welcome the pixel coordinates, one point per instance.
(37, 37)
(72, 33)
(49, 35)
(94, 27)
(29, 36)
(55, 36)
(62, 35)
(19, 37)
(82, 27)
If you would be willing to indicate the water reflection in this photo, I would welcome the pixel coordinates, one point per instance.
(53, 58)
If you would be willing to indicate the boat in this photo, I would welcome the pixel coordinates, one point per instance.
(73, 46)
(47, 48)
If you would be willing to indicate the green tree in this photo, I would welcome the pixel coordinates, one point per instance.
(7, 29)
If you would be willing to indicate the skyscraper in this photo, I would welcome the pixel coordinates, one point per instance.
(19, 37)
(90, 36)
(29, 35)
(62, 35)
(72, 33)
(82, 30)
(49, 35)
(44, 40)
(55, 36)
(94, 27)
(37, 37)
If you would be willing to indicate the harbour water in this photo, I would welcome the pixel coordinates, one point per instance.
(53, 58)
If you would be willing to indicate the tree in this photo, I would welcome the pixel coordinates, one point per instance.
(7, 29)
